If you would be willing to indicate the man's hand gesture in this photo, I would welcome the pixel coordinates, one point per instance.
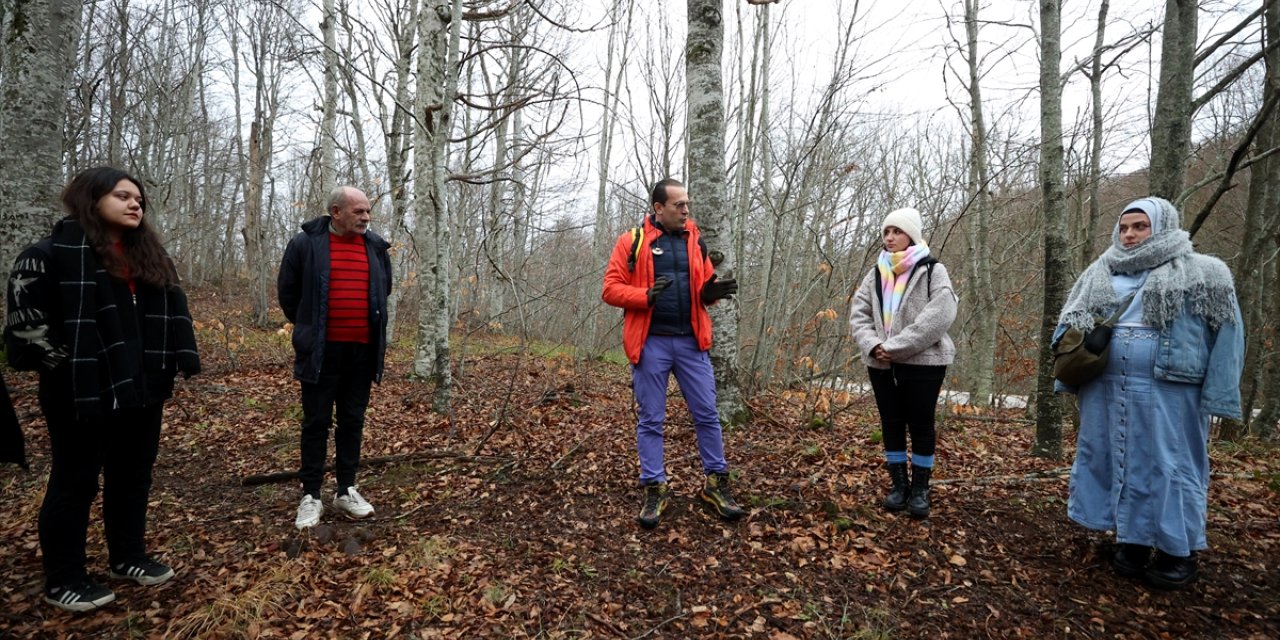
(717, 289)
(659, 284)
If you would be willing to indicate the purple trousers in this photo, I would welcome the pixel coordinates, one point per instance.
(662, 356)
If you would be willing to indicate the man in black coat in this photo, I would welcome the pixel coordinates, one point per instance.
(333, 286)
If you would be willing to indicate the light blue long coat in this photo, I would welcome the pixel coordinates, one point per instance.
(1142, 459)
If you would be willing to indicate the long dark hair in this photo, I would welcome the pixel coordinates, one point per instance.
(144, 258)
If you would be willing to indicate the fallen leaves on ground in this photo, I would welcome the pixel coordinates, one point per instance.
(536, 536)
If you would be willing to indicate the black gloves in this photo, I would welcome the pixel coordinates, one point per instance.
(659, 284)
(718, 289)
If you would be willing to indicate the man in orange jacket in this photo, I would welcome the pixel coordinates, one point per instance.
(662, 279)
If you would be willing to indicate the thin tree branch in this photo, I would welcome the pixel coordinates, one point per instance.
(1209, 50)
(1230, 78)
(1233, 165)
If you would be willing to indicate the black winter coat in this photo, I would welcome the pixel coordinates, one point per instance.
(303, 290)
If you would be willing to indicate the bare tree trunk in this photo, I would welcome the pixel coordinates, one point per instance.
(1259, 227)
(438, 33)
(1048, 442)
(707, 183)
(40, 39)
(1094, 211)
(1264, 426)
(116, 83)
(760, 353)
(980, 365)
(265, 36)
(397, 140)
(619, 34)
(1171, 128)
(227, 257)
(747, 128)
(78, 145)
(327, 175)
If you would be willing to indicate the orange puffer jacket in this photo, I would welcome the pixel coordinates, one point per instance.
(626, 289)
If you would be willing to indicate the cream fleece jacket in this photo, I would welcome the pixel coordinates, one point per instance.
(919, 326)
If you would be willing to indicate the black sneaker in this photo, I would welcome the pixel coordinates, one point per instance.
(715, 492)
(78, 597)
(656, 498)
(145, 572)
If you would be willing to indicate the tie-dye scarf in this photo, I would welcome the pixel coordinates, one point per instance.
(895, 270)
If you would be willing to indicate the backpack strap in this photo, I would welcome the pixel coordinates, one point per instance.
(928, 270)
(637, 240)
(879, 287)
(927, 263)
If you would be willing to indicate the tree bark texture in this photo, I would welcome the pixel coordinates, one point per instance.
(39, 41)
(980, 364)
(1171, 126)
(327, 174)
(1094, 210)
(437, 24)
(707, 187)
(1049, 414)
(1256, 285)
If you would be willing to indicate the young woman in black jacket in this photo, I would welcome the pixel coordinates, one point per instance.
(96, 308)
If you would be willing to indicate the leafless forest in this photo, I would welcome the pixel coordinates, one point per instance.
(508, 142)
(505, 145)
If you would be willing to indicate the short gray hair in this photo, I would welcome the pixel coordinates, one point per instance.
(337, 198)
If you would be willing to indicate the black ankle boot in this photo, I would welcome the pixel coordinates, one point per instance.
(1171, 572)
(918, 503)
(897, 498)
(1130, 560)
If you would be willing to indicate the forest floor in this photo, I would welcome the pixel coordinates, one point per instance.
(531, 533)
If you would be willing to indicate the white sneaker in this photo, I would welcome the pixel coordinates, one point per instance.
(353, 504)
(309, 511)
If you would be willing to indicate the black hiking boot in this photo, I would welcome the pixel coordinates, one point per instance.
(918, 503)
(897, 498)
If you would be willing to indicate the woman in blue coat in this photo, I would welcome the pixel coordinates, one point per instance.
(1142, 459)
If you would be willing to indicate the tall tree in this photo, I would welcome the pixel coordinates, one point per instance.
(620, 15)
(1171, 126)
(1262, 369)
(1094, 210)
(270, 48)
(980, 365)
(395, 115)
(40, 39)
(438, 32)
(707, 183)
(1048, 441)
(328, 172)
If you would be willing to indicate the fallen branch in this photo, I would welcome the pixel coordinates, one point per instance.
(1036, 476)
(556, 464)
(283, 476)
(1058, 474)
(999, 419)
(662, 624)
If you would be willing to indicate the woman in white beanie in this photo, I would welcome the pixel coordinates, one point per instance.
(1142, 460)
(900, 317)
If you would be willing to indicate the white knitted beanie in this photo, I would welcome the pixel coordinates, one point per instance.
(908, 220)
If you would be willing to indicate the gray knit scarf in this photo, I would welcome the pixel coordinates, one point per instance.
(1179, 277)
